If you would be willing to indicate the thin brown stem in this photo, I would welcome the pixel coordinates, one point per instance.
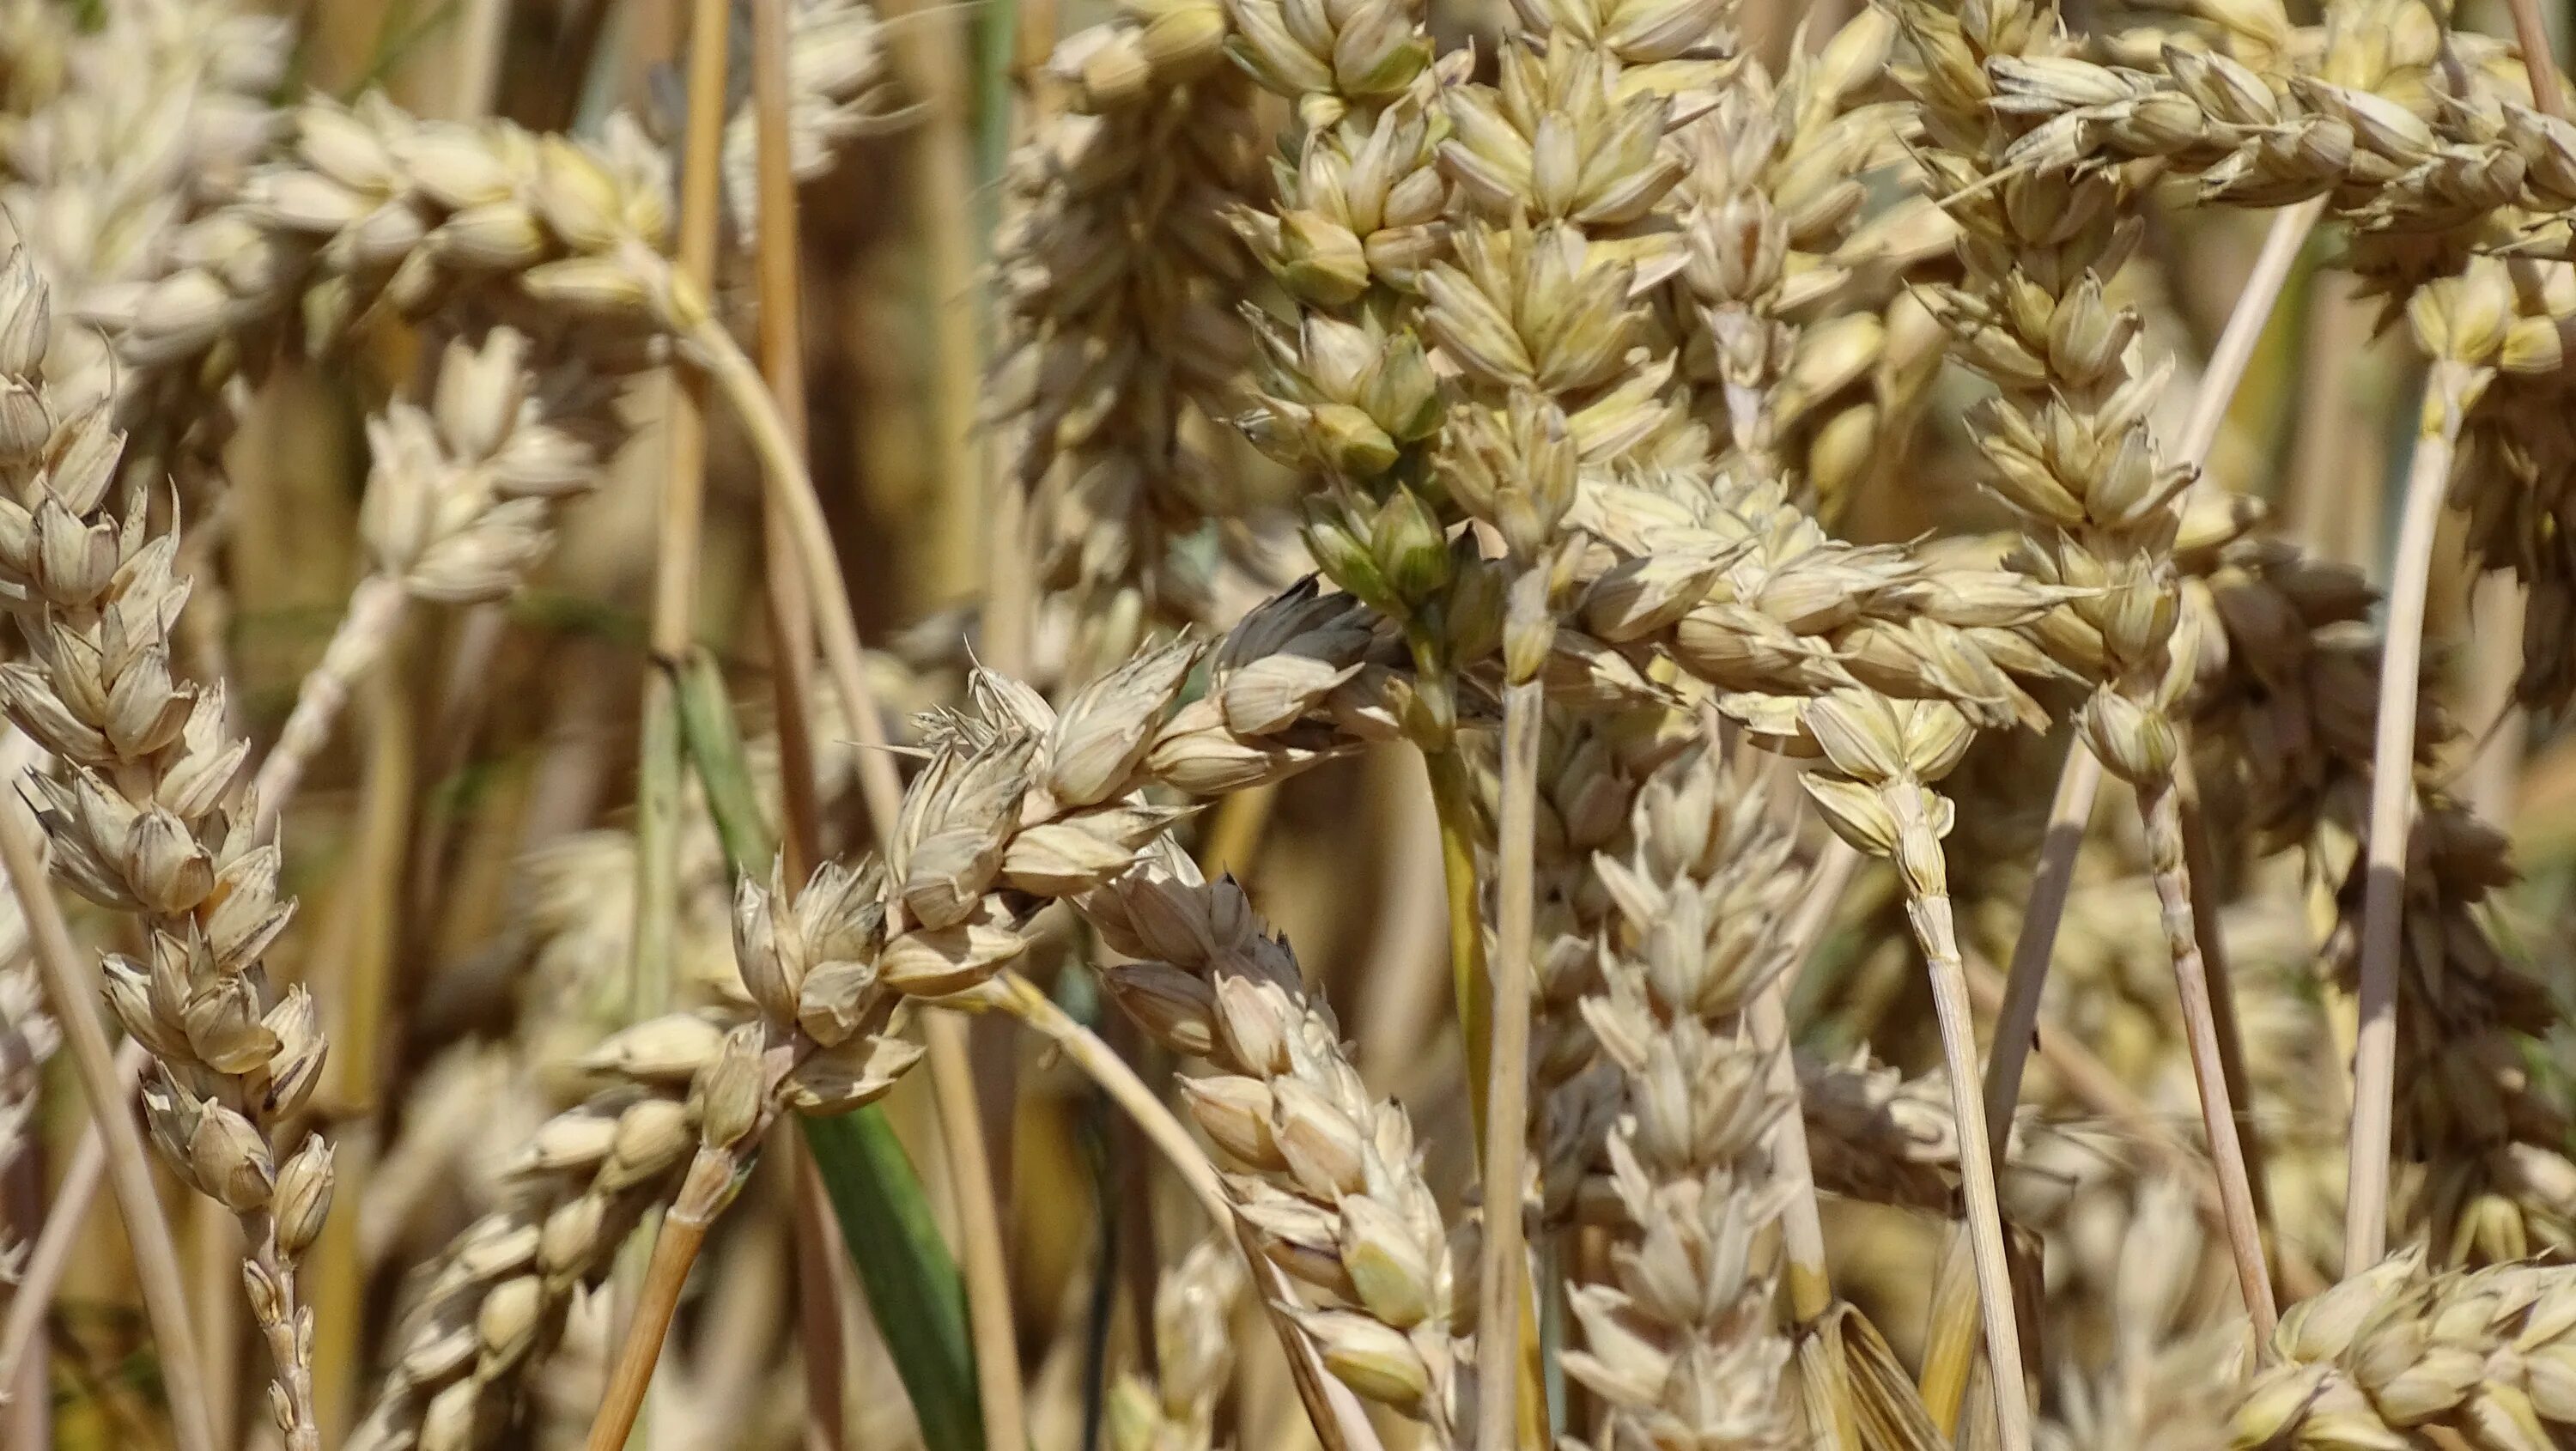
(2234, 351)
(73, 993)
(2161, 805)
(1456, 807)
(362, 946)
(2392, 805)
(791, 632)
(2200, 859)
(657, 1299)
(1802, 1226)
(2539, 57)
(2051, 881)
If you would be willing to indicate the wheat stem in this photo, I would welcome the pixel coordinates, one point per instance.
(1928, 909)
(366, 629)
(2539, 57)
(2025, 980)
(1802, 1228)
(657, 1299)
(147, 1230)
(2160, 803)
(791, 632)
(2392, 803)
(1454, 802)
(2234, 351)
(979, 1231)
(1500, 1402)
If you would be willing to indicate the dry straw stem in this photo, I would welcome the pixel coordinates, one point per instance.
(1801, 1221)
(2448, 393)
(147, 1229)
(1876, 798)
(653, 1298)
(823, 1270)
(1503, 1417)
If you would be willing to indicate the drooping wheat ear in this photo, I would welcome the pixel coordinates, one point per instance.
(1332, 1185)
(2290, 680)
(2425, 179)
(1120, 273)
(1174, 1409)
(697, 1095)
(839, 89)
(2393, 1358)
(1749, 593)
(1877, 796)
(2070, 451)
(145, 820)
(1681, 1343)
(461, 502)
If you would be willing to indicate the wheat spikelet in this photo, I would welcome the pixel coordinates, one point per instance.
(1175, 1409)
(1333, 1188)
(2394, 1358)
(1681, 1342)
